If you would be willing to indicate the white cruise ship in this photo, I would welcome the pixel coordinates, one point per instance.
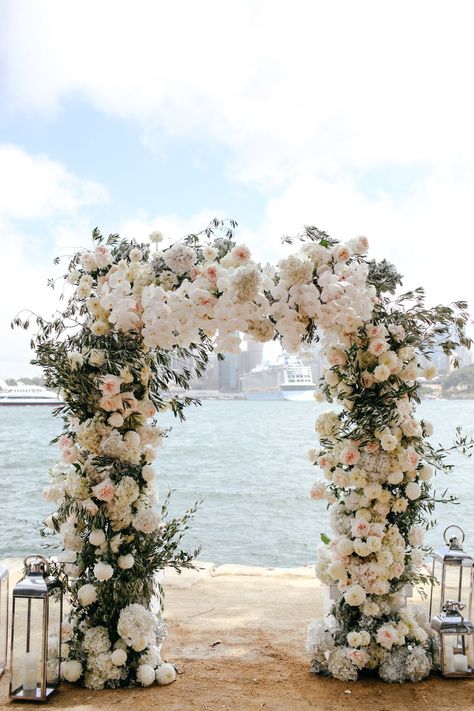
(27, 395)
(287, 379)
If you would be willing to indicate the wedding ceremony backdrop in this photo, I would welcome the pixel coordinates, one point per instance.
(136, 318)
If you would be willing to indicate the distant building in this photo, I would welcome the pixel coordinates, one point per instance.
(229, 377)
(251, 358)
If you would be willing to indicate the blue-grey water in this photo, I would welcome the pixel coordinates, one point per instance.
(247, 460)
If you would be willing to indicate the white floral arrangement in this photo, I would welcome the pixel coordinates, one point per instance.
(135, 313)
(377, 463)
(134, 316)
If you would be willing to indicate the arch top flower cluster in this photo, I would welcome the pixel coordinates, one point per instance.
(133, 321)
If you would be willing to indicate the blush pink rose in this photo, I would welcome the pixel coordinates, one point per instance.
(104, 491)
(110, 403)
(110, 385)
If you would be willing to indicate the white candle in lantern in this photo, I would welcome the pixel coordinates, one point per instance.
(449, 663)
(30, 676)
(460, 662)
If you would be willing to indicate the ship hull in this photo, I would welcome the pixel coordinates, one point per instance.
(290, 395)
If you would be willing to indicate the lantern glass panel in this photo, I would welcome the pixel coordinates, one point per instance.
(54, 641)
(3, 620)
(28, 646)
(454, 582)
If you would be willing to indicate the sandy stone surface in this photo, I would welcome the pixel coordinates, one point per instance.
(236, 635)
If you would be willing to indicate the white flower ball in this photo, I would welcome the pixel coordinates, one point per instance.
(71, 670)
(355, 595)
(165, 674)
(115, 419)
(425, 473)
(103, 571)
(146, 674)
(97, 537)
(148, 473)
(156, 236)
(413, 491)
(140, 643)
(125, 562)
(119, 657)
(87, 594)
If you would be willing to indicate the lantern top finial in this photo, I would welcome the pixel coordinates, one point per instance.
(453, 553)
(453, 542)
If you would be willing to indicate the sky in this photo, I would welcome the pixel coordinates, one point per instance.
(356, 117)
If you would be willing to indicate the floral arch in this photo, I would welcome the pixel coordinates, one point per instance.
(132, 313)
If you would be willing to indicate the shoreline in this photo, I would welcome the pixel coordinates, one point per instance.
(236, 636)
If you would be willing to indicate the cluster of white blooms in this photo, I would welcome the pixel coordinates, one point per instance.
(135, 304)
(373, 477)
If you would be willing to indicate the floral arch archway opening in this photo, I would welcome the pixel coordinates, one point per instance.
(134, 317)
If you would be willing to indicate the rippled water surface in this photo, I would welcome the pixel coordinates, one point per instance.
(246, 460)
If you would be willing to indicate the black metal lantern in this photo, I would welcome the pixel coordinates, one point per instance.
(4, 590)
(453, 570)
(454, 647)
(35, 662)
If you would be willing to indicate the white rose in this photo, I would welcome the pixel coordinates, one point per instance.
(354, 639)
(389, 442)
(355, 595)
(125, 562)
(165, 674)
(381, 373)
(119, 657)
(345, 547)
(97, 537)
(96, 357)
(76, 359)
(331, 378)
(87, 594)
(413, 490)
(71, 670)
(103, 571)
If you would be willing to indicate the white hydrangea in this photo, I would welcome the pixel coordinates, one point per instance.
(136, 626)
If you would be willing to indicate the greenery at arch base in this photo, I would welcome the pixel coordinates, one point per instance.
(134, 316)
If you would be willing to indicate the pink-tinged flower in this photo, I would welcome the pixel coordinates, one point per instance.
(104, 491)
(372, 447)
(326, 461)
(342, 253)
(240, 253)
(358, 657)
(375, 331)
(110, 403)
(318, 491)
(147, 408)
(194, 272)
(69, 454)
(110, 385)
(211, 273)
(378, 346)
(65, 441)
(409, 459)
(350, 455)
(360, 528)
(336, 356)
(387, 636)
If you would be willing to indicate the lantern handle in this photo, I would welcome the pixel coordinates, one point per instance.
(453, 525)
(44, 561)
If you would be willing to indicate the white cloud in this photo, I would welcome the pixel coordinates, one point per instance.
(34, 186)
(37, 194)
(317, 85)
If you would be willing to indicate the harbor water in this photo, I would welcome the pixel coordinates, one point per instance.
(247, 461)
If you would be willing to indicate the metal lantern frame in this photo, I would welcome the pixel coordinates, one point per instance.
(450, 558)
(452, 626)
(40, 587)
(4, 608)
